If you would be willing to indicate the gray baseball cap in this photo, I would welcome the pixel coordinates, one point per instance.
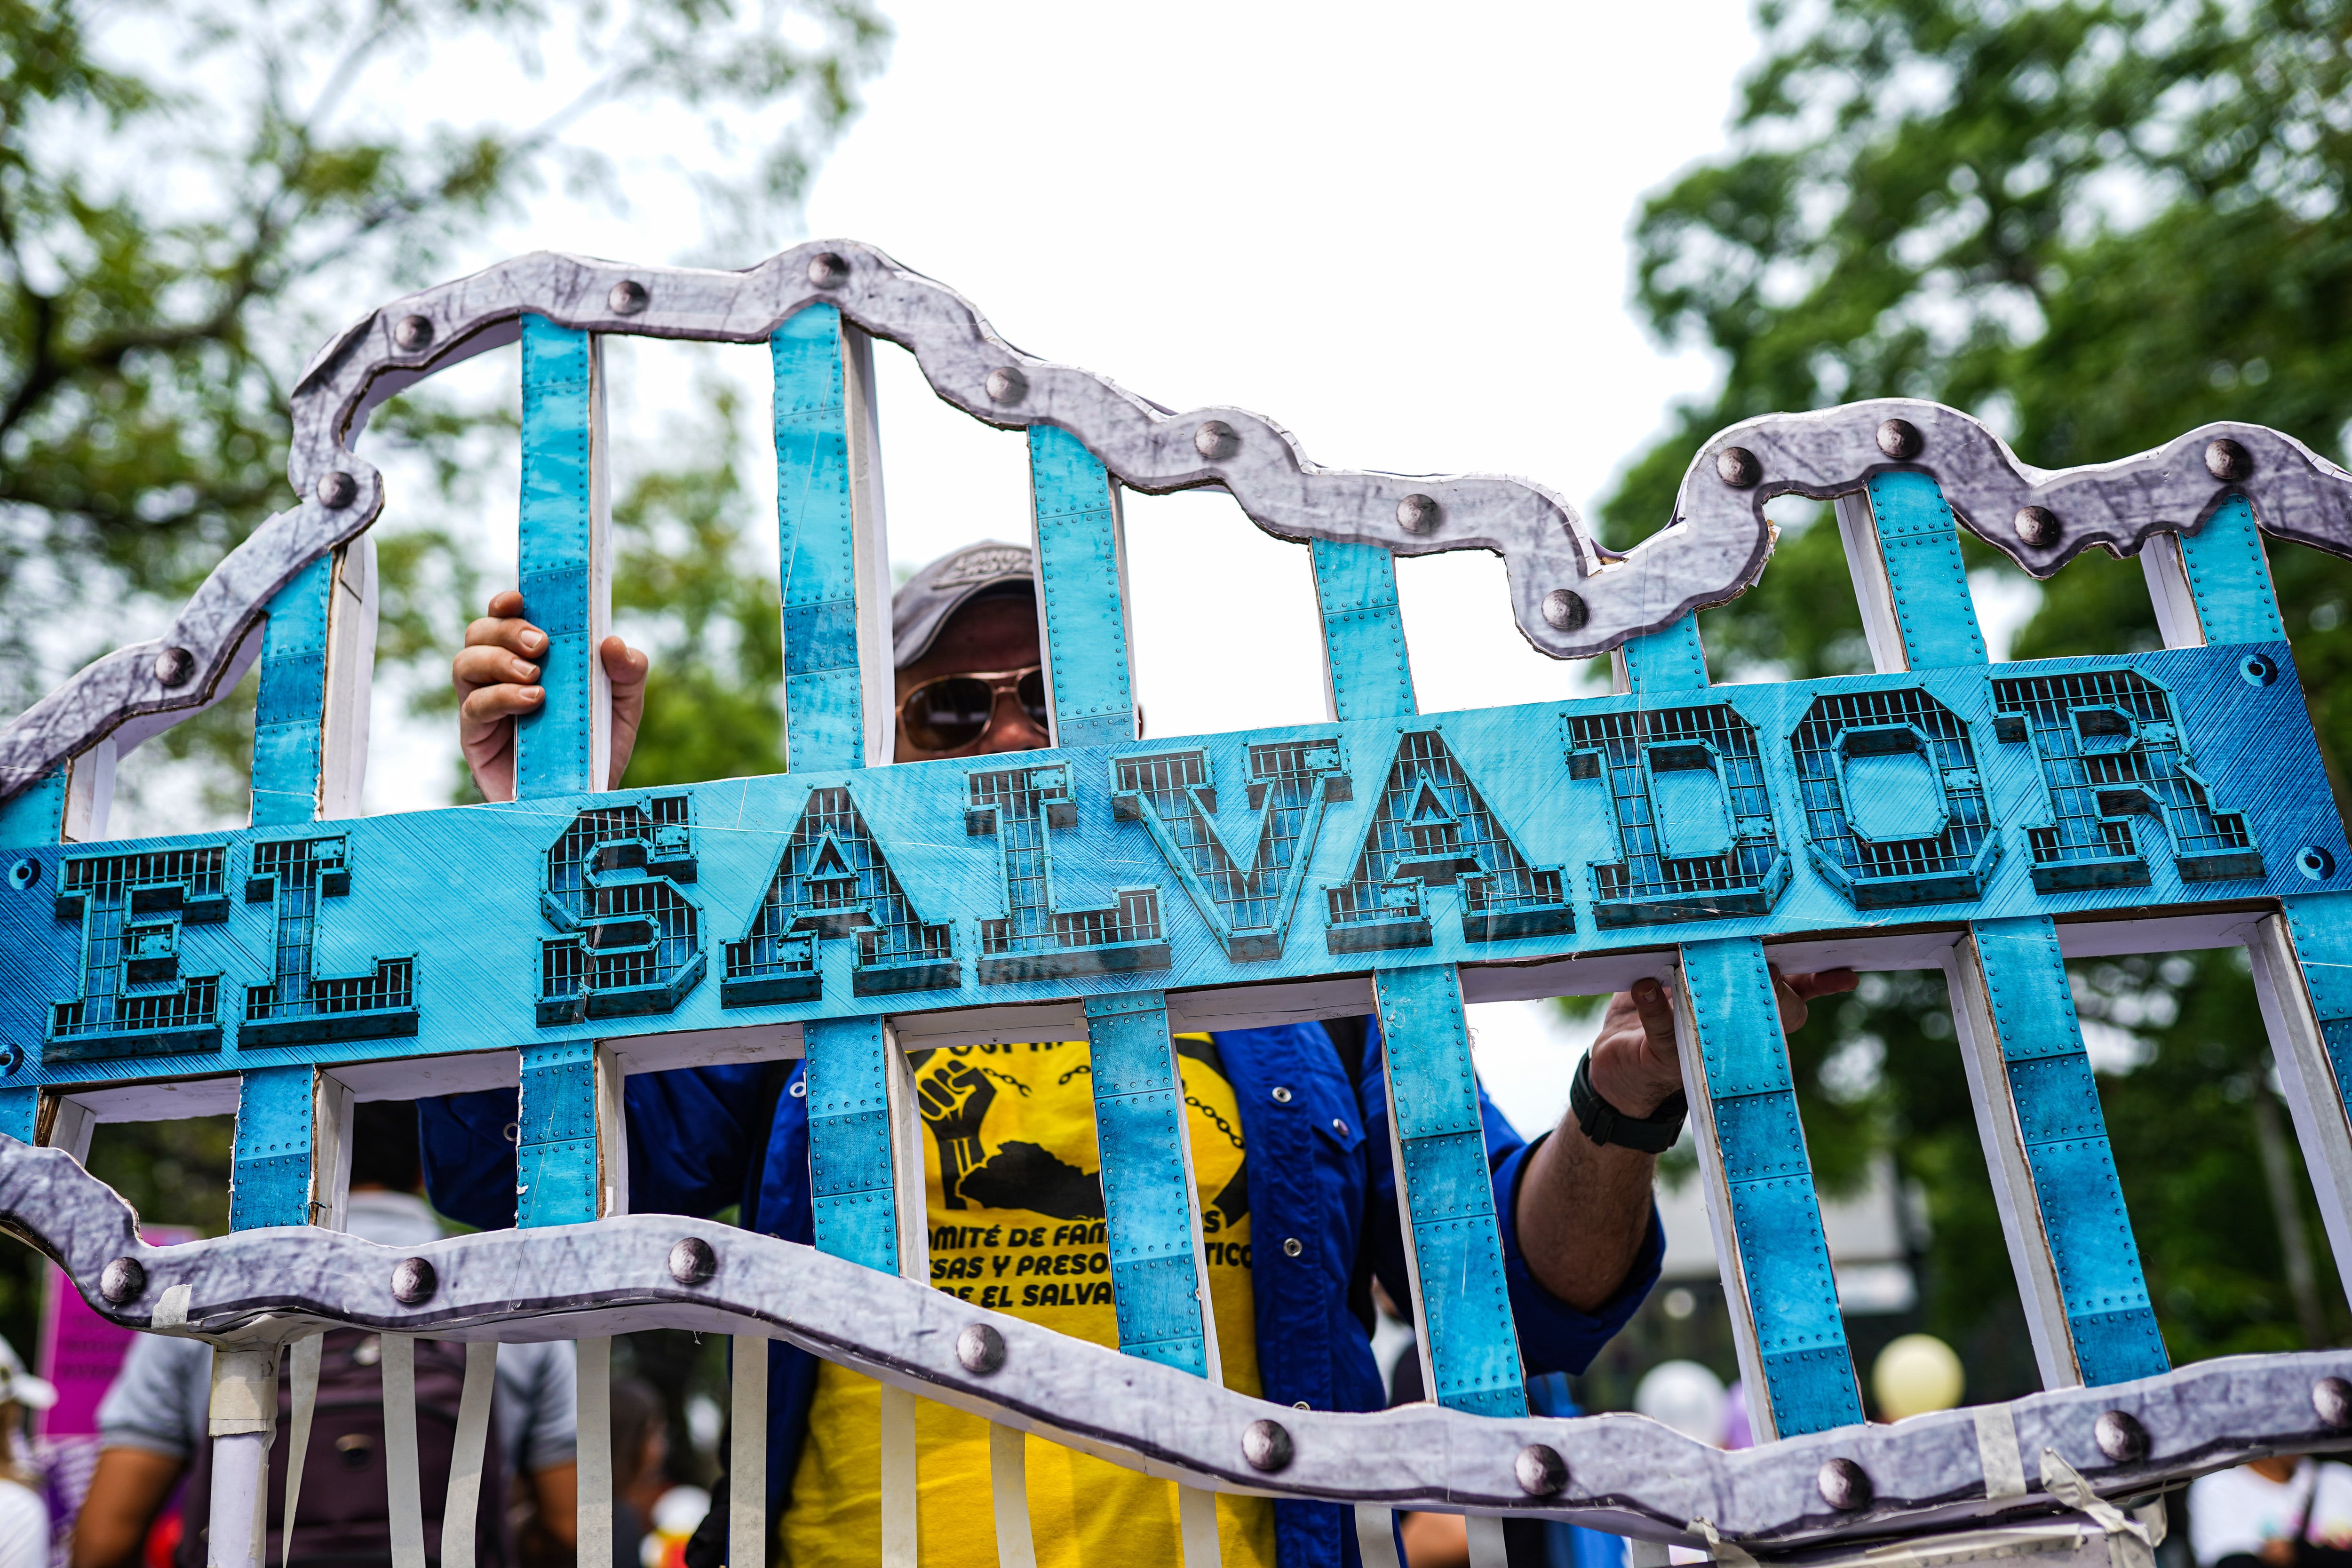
(919, 609)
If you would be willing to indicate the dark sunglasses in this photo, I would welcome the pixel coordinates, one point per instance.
(952, 712)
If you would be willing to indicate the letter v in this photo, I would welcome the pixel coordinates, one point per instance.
(1247, 905)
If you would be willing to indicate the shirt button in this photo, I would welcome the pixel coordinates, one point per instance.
(1281, 1095)
(1339, 1127)
(1291, 1246)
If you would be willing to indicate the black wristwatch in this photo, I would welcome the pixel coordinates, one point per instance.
(1605, 1124)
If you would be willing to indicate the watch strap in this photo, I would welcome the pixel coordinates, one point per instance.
(1605, 1124)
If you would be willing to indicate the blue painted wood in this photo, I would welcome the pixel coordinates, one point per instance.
(1759, 1143)
(1000, 922)
(1919, 542)
(290, 711)
(1664, 661)
(1774, 1211)
(2065, 1137)
(38, 815)
(553, 746)
(1155, 1281)
(1083, 589)
(824, 723)
(1449, 1199)
(2321, 928)
(849, 1141)
(2230, 577)
(35, 816)
(1368, 672)
(556, 1167)
(270, 1180)
(2080, 1201)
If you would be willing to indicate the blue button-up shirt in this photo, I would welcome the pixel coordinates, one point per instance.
(703, 1138)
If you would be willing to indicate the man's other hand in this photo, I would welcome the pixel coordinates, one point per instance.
(1583, 1209)
(497, 676)
(1634, 1064)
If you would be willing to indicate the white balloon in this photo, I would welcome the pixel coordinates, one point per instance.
(1687, 1398)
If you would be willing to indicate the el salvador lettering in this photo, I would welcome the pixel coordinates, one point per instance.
(1885, 788)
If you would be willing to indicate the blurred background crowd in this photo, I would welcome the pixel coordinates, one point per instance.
(1565, 245)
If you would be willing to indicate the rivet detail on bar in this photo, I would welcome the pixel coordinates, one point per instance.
(979, 1349)
(1564, 611)
(692, 1262)
(827, 270)
(1418, 514)
(413, 1281)
(2227, 459)
(1216, 440)
(2038, 526)
(125, 1280)
(1900, 440)
(175, 666)
(412, 334)
(627, 297)
(1844, 1485)
(2121, 1437)
(337, 490)
(2331, 1396)
(1267, 1446)
(1007, 384)
(1737, 467)
(1540, 1470)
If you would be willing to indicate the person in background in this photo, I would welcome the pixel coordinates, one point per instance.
(640, 1448)
(2286, 1511)
(24, 1516)
(1295, 1236)
(155, 1419)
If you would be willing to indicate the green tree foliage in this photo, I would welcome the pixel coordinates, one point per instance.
(2095, 225)
(194, 195)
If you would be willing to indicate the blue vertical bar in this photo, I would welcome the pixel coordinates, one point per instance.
(1156, 1287)
(2065, 1134)
(855, 1202)
(269, 1184)
(35, 816)
(2055, 1101)
(1449, 1194)
(1664, 661)
(2321, 925)
(1079, 568)
(553, 747)
(823, 716)
(2230, 577)
(556, 1135)
(1918, 541)
(38, 815)
(290, 716)
(1364, 654)
(1775, 1212)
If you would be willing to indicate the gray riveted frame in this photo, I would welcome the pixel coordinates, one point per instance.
(1715, 547)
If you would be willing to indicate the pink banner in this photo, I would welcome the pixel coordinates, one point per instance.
(81, 1352)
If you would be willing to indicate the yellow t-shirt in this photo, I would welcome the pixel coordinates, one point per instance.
(1017, 1222)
